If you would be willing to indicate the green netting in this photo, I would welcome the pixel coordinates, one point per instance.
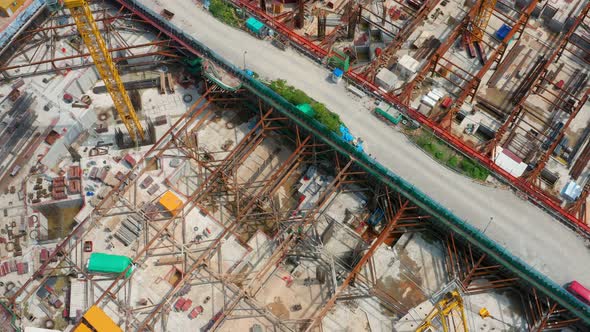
(306, 109)
(454, 223)
(340, 60)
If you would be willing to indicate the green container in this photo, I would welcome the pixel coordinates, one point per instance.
(106, 263)
(254, 25)
(393, 119)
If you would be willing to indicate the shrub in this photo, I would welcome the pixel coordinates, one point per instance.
(467, 166)
(481, 173)
(422, 141)
(224, 12)
(439, 155)
(297, 97)
(453, 162)
(323, 115)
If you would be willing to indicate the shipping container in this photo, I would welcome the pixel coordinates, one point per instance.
(388, 117)
(107, 263)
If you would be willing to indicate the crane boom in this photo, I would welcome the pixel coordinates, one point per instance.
(88, 29)
(481, 20)
(451, 302)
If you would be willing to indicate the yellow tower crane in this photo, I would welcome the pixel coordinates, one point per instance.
(451, 302)
(88, 29)
(481, 19)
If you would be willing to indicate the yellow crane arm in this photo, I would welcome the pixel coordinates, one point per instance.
(442, 309)
(482, 18)
(88, 29)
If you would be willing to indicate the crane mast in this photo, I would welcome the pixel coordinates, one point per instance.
(88, 29)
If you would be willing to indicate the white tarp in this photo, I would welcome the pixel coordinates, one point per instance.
(386, 79)
(571, 191)
(508, 162)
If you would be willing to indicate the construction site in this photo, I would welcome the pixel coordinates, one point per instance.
(288, 165)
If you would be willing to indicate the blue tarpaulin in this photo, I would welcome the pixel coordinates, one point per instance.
(503, 32)
(349, 138)
(346, 135)
(337, 72)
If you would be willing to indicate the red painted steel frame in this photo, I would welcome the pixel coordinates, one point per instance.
(535, 194)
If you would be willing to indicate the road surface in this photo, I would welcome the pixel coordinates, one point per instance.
(518, 225)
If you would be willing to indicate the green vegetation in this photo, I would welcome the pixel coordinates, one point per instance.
(224, 12)
(444, 154)
(453, 162)
(297, 97)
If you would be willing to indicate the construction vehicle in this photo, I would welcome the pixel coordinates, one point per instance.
(88, 29)
(451, 303)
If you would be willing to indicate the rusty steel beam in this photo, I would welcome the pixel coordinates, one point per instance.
(281, 251)
(157, 149)
(404, 206)
(198, 193)
(542, 162)
(490, 147)
(159, 42)
(201, 192)
(28, 33)
(385, 58)
(471, 88)
(430, 65)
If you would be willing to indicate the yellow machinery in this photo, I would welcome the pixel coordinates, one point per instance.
(481, 19)
(96, 45)
(451, 303)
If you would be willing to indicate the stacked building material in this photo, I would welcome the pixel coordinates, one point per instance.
(74, 172)
(102, 174)
(58, 190)
(129, 160)
(93, 173)
(153, 189)
(43, 255)
(74, 187)
(146, 182)
(13, 266)
(130, 229)
(15, 125)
